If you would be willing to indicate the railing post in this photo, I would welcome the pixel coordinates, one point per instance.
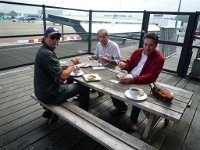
(62, 32)
(44, 17)
(90, 31)
(186, 52)
(144, 28)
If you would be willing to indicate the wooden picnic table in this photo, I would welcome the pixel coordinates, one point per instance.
(156, 108)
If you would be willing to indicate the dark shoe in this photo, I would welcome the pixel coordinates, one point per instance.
(100, 94)
(134, 126)
(166, 122)
(118, 110)
(53, 119)
(47, 113)
(76, 98)
(92, 91)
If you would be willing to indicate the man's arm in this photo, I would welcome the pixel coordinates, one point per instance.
(66, 72)
(131, 62)
(116, 56)
(110, 61)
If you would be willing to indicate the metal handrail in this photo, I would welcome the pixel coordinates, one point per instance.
(26, 4)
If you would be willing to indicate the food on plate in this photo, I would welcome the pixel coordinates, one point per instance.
(141, 92)
(122, 77)
(91, 77)
(137, 91)
(84, 65)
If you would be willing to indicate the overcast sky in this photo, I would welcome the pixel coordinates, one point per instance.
(132, 5)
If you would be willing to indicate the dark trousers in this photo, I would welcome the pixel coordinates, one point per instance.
(134, 112)
(70, 90)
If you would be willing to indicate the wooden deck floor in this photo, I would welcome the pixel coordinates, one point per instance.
(22, 127)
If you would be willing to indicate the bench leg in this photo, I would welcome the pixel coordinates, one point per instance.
(153, 119)
(53, 118)
(147, 114)
(166, 122)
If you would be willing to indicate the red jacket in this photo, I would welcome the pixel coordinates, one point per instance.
(151, 69)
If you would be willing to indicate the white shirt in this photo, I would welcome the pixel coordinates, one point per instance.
(111, 51)
(137, 70)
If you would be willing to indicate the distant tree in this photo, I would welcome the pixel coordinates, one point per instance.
(12, 14)
(182, 18)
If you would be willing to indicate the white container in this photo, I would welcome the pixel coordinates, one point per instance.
(135, 91)
(93, 63)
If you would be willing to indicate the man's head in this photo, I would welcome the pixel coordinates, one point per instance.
(103, 37)
(52, 37)
(150, 43)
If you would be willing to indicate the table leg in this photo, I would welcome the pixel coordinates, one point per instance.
(153, 119)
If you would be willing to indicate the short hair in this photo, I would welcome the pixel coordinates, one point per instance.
(152, 36)
(104, 31)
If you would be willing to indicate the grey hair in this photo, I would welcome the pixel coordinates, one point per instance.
(103, 31)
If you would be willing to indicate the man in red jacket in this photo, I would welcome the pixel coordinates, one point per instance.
(145, 64)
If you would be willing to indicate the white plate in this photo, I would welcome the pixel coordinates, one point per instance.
(98, 78)
(95, 65)
(76, 74)
(83, 65)
(134, 97)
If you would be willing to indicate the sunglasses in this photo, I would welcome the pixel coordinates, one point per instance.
(55, 37)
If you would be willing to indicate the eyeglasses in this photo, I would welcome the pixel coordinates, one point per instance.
(55, 37)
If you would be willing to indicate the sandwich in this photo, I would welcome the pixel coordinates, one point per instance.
(91, 77)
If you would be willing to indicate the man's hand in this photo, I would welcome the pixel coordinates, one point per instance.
(76, 60)
(126, 79)
(92, 57)
(121, 65)
(104, 59)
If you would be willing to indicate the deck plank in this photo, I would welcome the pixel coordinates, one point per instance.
(84, 144)
(16, 107)
(16, 86)
(18, 114)
(22, 130)
(69, 141)
(170, 79)
(52, 138)
(11, 126)
(191, 85)
(182, 83)
(31, 137)
(16, 91)
(21, 96)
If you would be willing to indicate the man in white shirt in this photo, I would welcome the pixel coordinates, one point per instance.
(107, 51)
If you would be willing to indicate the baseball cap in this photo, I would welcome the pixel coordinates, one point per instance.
(52, 31)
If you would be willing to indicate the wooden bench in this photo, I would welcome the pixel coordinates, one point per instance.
(101, 131)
